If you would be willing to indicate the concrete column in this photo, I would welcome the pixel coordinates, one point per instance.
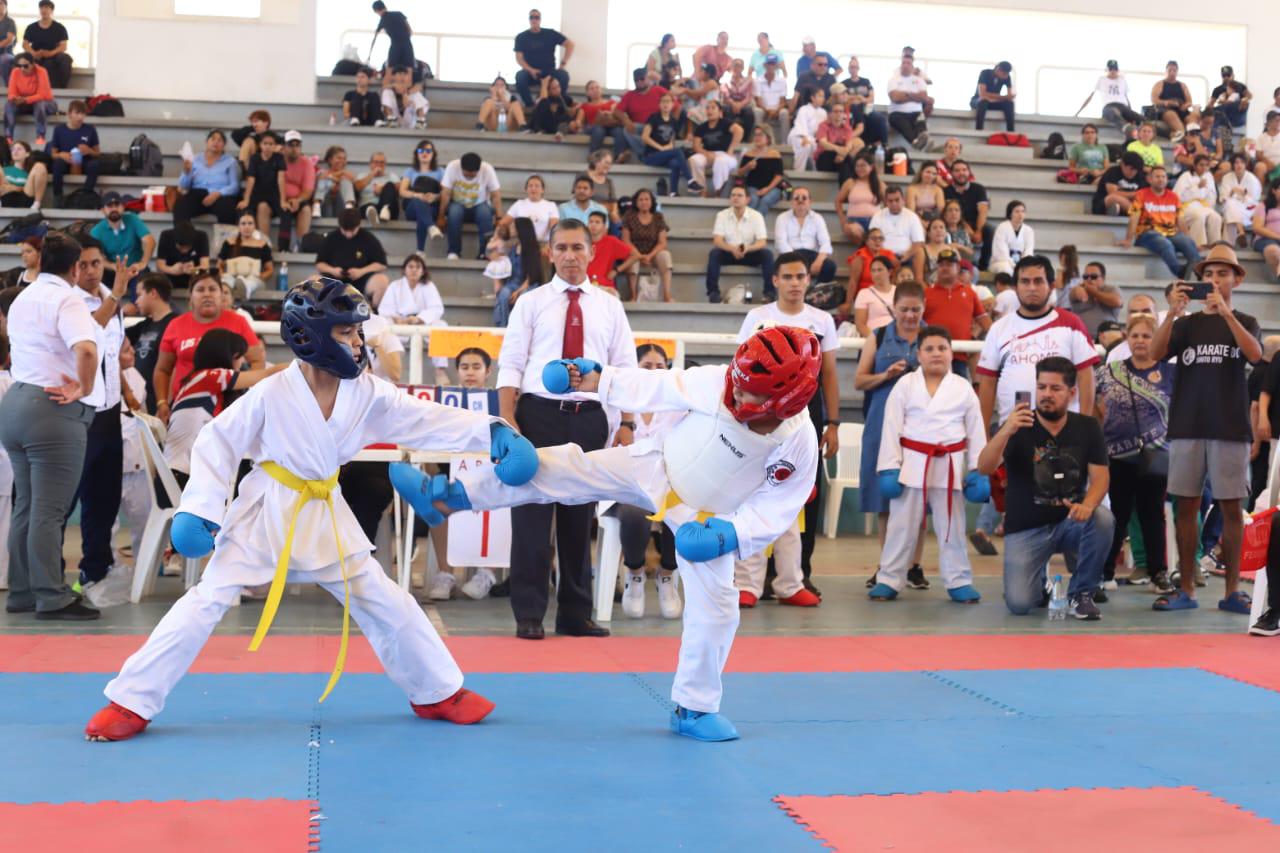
(587, 23)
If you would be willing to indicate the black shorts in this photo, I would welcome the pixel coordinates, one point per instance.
(272, 201)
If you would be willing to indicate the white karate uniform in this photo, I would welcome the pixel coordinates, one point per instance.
(758, 483)
(279, 420)
(951, 415)
(6, 494)
(805, 127)
(749, 573)
(722, 163)
(135, 484)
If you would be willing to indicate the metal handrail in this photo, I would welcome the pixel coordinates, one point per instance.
(437, 37)
(1184, 78)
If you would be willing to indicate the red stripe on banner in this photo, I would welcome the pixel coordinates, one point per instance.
(484, 533)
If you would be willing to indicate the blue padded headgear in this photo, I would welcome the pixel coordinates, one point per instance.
(311, 310)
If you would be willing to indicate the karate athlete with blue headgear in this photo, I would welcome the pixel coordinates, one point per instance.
(932, 427)
(728, 479)
(290, 523)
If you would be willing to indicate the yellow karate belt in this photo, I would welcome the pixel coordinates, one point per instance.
(308, 490)
(672, 499)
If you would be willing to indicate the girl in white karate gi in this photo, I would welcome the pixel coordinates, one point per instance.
(298, 427)
(729, 478)
(932, 428)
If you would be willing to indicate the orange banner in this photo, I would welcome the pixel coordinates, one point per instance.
(447, 343)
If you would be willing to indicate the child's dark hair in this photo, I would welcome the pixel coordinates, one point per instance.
(476, 351)
(644, 349)
(218, 348)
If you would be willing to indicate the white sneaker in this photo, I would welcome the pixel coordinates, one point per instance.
(479, 585)
(633, 596)
(371, 214)
(174, 566)
(385, 213)
(669, 597)
(1110, 585)
(452, 256)
(435, 233)
(441, 587)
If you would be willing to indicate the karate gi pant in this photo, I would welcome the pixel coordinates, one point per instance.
(722, 167)
(402, 637)
(749, 572)
(567, 475)
(906, 514)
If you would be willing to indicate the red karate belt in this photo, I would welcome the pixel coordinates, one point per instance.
(931, 452)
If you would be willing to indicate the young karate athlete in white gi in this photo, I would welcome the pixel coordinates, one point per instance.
(729, 478)
(933, 431)
(290, 521)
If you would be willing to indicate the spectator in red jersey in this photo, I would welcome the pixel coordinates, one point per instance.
(1153, 224)
(612, 256)
(635, 107)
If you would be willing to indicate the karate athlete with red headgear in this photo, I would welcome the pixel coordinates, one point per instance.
(729, 478)
(290, 523)
(932, 427)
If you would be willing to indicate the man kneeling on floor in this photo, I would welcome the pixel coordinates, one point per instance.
(1058, 475)
(932, 415)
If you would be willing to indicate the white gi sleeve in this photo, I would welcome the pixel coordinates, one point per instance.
(975, 431)
(404, 419)
(895, 408)
(773, 508)
(216, 455)
(634, 389)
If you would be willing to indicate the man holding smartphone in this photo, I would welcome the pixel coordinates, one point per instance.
(1210, 432)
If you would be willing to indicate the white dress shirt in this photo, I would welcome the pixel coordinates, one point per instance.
(106, 390)
(535, 336)
(771, 92)
(740, 232)
(45, 322)
(790, 233)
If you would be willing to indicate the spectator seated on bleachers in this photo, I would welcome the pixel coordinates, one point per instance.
(75, 149)
(909, 102)
(1118, 186)
(660, 134)
(18, 277)
(420, 192)
(1198, 196)
(244, 261)
(182, 250)
(1266, 228)
(361, 106)
(123, 234)
(264, 182)
(817, 76)
(759, 57)
(770, 91)
(661, 56)
(1171, 102)
(610, 256)
(859, 199)
(335, 184)
(716, 55)
(739, 238)
(354, 255)
(635, 107)
(903, 231)
(535, 50)
(500, 101)
(974, 205)
(25, 178)
(597, 111)
(995, 92)
(29, 94)
(1153, 225)
(1268, 146)
(1113, 90)
(714, 142)
(470, 192)
(378, 190)
(299, 190)
(542, 213)
(8, 37)
(694, 95)
(46, 40)
(644, 227)
(838, 142)
(210, 183)
(401, 105)
(582, 205)
(555, 111)
(1240, 191)
(413, 299)
(804, 232)
(1088, 160)
(249, 136)
(737, 96)
(860, 96)
(804, 129)
(1013, 239)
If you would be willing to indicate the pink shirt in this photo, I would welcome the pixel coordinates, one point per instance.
(299, 177)
(835, 135)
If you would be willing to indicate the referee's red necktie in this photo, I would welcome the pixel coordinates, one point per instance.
(572, 326)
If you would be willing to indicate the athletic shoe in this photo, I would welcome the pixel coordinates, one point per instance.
(452, 256)
(695, 188)
(385, 213)
(1138, 577)
(921, 142)
(916, 578)
(1174, 139)
(371, 214)
(435, 233)
(114, 722)
(441, 588)
(662, 186)
(882, 592)
(76, 611)
(501, 589)
(1268, 625)
(1110, 585)
(669, 602)
(633, 596)
(708, 727)
(1100, 595)
(746, 600)
(479, 585)
(965, 594)
(1160, 583)
(464, 708)
(39, 141)
(1082, 607)
(803, 598)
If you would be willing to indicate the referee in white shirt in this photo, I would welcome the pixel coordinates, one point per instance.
(804, 232)
(101, 481)
(44, 427)
(565, 318)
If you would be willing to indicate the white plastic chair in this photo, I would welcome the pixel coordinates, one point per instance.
(609, 541)
(848, 463)
(155, 535)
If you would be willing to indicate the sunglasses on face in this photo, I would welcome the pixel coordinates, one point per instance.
(535, 17)
(1091, 276)
(426, 150)
(294, 144)
(24, 65)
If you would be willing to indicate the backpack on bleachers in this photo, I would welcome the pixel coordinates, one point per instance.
(111, 163)
(105, 106)
(1055, 147)
(82, 199)
(145, 158)
(24, 227)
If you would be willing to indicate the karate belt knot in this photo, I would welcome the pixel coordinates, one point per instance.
(931, 452)
(308, 490)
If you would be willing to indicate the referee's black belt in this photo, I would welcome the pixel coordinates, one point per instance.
(569, 407)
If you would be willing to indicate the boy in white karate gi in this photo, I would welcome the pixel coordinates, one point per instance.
(729, 478)
(932, 428)
(298, 427)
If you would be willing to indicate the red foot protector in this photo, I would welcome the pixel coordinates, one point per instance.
(205, 826)
(1168, 820)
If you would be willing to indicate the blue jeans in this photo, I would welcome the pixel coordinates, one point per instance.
(1168, 248)
(41, 110)
(761, 258)
(502, 302)
(88, 167)
(981, 108)
(761, 203)
(526, 86)
(1027, 551)
(622, 141)
(6, 65)
(481, 214)
(828, 270)
(988, 518)
(675, 161)
(424, 214)
(1236, 117)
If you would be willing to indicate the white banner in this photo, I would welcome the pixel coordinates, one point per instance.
(478, 538)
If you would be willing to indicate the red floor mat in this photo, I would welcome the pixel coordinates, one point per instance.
(205, 826)
(1167, 820)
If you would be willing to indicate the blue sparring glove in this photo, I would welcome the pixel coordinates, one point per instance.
(699, 542)
(890, 488)
(977, 487)
(555, 376)
(191, 535)
(515, 458)
(422, 490)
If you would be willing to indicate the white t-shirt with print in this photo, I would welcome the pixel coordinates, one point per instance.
(911, 84)
(468, 192)
(539, 212)
(1015, 344)
(1112, 91)
(817, 321)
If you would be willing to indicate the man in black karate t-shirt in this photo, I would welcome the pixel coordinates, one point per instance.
(1058, 477)
(1210, 432)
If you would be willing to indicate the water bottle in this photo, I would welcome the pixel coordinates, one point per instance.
(502, 118)
(747, 297)
(333, 119)
(879, 159)
(1057, 599)
(282, 277)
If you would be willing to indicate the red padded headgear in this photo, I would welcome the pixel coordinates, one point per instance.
(780, 362)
